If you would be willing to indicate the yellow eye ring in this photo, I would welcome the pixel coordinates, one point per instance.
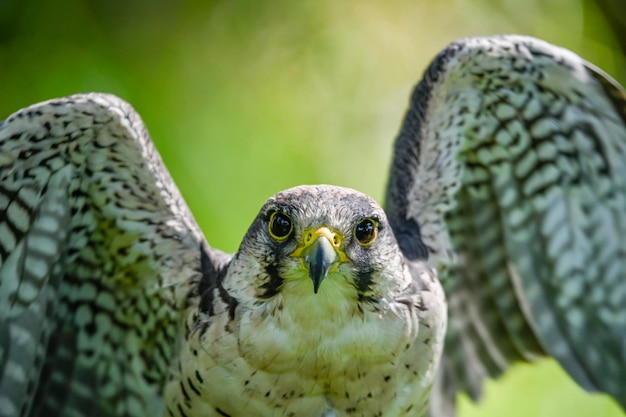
(365, 231)
(280, 226)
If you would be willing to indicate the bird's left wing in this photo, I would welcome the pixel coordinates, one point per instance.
(512, 157)
(98, 255)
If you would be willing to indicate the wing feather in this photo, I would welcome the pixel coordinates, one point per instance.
(512, 162)
(98, 256)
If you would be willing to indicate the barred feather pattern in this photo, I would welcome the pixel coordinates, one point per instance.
(512, 161)
(98, 254)
(510, 166)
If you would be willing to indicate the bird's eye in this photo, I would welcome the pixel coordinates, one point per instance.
(280, 226)
(365, 231)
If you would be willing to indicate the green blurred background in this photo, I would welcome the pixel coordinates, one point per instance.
(246, 98)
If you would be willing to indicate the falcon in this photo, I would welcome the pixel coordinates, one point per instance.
(508, 178)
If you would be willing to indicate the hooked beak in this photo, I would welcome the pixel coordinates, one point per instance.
(319, 251)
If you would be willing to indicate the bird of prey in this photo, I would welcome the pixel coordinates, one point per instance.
(508, 177)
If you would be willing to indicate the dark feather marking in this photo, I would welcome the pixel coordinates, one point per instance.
(272, 286)
(363, 285)
(212, 278)
(408, 234)
(364, 282)
(184, 391)
(199, 377)
(193, 387)
(181, 411)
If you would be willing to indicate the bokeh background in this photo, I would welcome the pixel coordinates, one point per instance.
(245, 98)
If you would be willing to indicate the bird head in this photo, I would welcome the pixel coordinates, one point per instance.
(317, 241)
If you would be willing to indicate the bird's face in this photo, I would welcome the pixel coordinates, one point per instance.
(318, 241)
(317, 280)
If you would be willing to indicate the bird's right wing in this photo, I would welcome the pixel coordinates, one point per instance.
(512, 159)
(98, 257)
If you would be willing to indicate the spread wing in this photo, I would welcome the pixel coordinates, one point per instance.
(98, 255)
(511, 165)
